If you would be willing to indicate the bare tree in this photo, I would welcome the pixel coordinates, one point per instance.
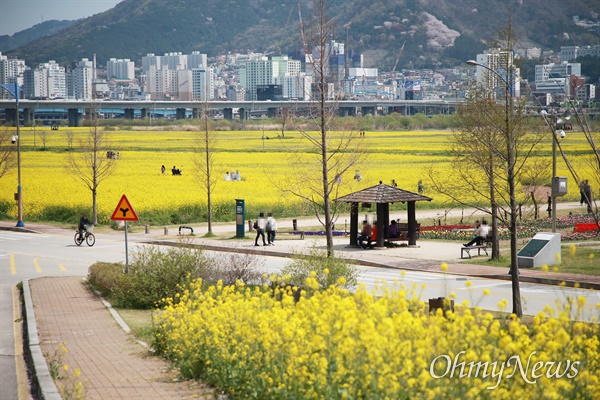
(204, 161)
(91, 163)
(8, 151)
(494, 141)
(334, 153)
(44, 136)
(285, 116)
(69, 136)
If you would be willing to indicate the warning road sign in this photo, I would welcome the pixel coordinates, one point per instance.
(124, 211)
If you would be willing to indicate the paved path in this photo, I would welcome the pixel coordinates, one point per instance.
(113, 365)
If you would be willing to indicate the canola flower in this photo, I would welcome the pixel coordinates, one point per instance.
(333, 344)
(50, 189)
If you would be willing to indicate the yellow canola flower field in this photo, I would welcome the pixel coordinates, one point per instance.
(269, 165)
(338, 345)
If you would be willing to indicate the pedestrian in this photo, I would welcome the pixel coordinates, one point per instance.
(259, 225)
(587, 194)
(582, 192)
(162, 170)
(271, 228)
(420, 187)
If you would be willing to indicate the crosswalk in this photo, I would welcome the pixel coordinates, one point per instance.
(15, 263)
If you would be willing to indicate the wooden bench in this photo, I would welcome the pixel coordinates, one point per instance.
(467, 249)
(403, 231)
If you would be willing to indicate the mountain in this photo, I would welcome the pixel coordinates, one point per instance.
(19, 39)
(434, 33)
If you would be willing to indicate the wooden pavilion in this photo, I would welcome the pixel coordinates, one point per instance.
(383, 195)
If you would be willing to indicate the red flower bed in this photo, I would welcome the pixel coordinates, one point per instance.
(445, 227)
(586, 227)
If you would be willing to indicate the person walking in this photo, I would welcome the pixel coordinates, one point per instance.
(162, 170)
(259, 225)
(271, 228)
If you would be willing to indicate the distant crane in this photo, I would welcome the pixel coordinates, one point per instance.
(306, 50)
(398, 58)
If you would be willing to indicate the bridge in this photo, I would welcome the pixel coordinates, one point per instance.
(76, 110)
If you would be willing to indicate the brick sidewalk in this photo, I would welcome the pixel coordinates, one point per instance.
(112, 364)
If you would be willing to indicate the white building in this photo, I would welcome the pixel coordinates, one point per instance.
(11, 71)
(48, 80)
(197, 60)
(555, 77)
(264, 70)
(168, 84)
(501, 62)
(570, 53)
(151, 60)
(203, 84)
(295, 87)
(120, 69)
(80, 79)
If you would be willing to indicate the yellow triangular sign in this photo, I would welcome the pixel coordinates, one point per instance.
(124, 211)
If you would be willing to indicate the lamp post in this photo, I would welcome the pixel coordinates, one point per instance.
(14, 91)
(558, 126)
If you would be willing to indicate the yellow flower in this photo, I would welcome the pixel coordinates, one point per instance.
(545, 267)
(444, 267)
(486, 292)
(572, 249)
(468, 284)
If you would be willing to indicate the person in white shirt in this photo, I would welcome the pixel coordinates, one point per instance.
(271, 229)
(483, 232)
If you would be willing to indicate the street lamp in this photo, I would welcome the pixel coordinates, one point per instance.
(559, 124)
(13, 89)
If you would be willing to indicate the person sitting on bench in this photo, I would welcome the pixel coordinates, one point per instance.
(482, 233)
(365, 233)
(393, 230)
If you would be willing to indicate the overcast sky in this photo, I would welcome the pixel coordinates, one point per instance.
(17, 15)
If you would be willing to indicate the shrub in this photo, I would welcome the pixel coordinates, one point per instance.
(232, 267)
(155, 274)
(328, 270)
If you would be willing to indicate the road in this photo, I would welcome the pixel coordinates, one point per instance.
(28, 255)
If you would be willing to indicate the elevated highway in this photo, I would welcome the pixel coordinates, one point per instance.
(76, 109)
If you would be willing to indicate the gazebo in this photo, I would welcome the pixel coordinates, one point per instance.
(382, 195)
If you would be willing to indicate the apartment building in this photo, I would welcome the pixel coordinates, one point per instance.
(11, 71)
(120, 69)
(264, 70)
(203, 84)
(48, 80)
(504, 72)
(80, 80)
(570, 53)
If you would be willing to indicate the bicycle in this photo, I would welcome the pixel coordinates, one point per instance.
(88, 236)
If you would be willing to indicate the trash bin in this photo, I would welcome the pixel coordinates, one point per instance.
(441, 302)
(147, 229)
(166, 230)
(250, 229)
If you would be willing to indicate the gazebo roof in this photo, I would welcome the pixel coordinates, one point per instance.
(382, 193)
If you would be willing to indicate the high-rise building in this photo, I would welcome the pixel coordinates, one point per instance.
(264, 70)
(80, 80)
(120, 69)
(555, 77)
(570, 53)
(501, 62)
(203, 87)
(11, 71)
(48, 80)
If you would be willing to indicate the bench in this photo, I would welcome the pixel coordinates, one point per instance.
(479, 247)
(403, 231)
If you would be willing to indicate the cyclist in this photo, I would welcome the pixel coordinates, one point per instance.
(83, 221)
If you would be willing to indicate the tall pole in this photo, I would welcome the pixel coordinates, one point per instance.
(553, 194)
(20, 222)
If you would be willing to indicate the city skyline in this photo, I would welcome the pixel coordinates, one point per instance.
(18, 15)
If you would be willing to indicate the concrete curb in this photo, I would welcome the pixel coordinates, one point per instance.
(366, 263)
(42, 381)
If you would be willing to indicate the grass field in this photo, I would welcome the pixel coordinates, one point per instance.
(266, 163)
